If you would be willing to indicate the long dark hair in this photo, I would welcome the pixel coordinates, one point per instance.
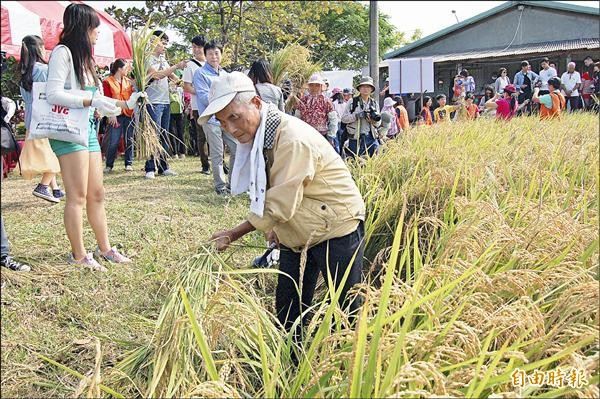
(490, 89)
(426, 99)
(30, 54)
(78, 19)
(114, 67)
(260, 72)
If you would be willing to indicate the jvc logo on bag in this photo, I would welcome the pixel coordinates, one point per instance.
(60, 109)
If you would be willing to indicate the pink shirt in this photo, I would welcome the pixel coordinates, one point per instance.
(503, 111)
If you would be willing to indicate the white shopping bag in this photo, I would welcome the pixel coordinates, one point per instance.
(51, 121)
(57, 122)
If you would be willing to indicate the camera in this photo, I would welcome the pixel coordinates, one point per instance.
(373, 114)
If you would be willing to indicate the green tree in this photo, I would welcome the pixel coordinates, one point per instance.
(337, 32)
(346, 44)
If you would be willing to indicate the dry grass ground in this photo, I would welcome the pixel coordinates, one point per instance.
(159, 223)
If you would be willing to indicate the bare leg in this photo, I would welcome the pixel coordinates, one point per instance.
(95, 201)
(47, 179)
(53, 182)
(74, 168)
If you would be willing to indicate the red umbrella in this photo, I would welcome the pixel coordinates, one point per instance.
(44, 18)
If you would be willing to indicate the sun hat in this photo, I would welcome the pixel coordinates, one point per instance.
(316, 79)
(389, 102)
(366, 80)
(222, 91)
(347, 90)
(336, 90)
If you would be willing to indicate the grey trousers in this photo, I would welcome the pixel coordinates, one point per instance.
(215, 136)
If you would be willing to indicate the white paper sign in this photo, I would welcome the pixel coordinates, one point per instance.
(411, 75)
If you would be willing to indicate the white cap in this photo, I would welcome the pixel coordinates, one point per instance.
(222, 91)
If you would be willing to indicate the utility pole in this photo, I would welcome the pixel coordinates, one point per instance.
(374, 45)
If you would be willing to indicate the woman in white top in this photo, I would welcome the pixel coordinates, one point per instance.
(262, 77)
(502, 81)
(81, 166)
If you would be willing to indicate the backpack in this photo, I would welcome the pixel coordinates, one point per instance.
(176, 104)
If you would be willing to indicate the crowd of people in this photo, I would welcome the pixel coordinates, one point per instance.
(287, 146)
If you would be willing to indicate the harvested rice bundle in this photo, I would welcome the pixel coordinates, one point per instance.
(145, 129)
(293, 63)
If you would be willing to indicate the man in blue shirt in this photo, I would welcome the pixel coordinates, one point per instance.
(524, 81)
(216, 137)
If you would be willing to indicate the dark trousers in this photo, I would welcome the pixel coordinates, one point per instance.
(193, 148)
(574, 102)
(334, 256)
(203, 147)
(342, 135)
(365, 144)
(123, 129)
(176, 137)
(161, 115)
(528, 108)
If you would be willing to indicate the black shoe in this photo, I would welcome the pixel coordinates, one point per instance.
(225, 169)
(223, 191)
(205, 171)
(12, 264)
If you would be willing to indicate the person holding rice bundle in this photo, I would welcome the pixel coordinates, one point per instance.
(37, 156)
(82, 166)
(302, 196)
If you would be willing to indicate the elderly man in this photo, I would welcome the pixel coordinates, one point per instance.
(302, 195)
(571, 83)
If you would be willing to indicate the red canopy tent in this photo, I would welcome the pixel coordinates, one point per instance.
(44, 18)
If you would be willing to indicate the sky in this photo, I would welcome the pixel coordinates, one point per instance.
(407, 16)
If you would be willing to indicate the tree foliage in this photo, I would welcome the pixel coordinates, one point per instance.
(336, 32)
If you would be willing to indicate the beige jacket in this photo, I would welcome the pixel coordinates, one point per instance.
(311, 196)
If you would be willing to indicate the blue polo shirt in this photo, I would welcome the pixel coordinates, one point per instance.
(203, 78)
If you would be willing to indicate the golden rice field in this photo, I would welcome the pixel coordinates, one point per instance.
(481, 281)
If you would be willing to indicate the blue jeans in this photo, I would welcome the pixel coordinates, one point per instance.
(161, 115)
(368, 145)
(125, 129)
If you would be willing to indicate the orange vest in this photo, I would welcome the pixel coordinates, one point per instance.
(558, 104)
(403, 118)
(121, 91)
(428, 120)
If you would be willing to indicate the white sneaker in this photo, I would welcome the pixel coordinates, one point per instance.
(176, 156)
(149, 175)
(182, 156)
(128, 168)
(107, 170)
(169, 172)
